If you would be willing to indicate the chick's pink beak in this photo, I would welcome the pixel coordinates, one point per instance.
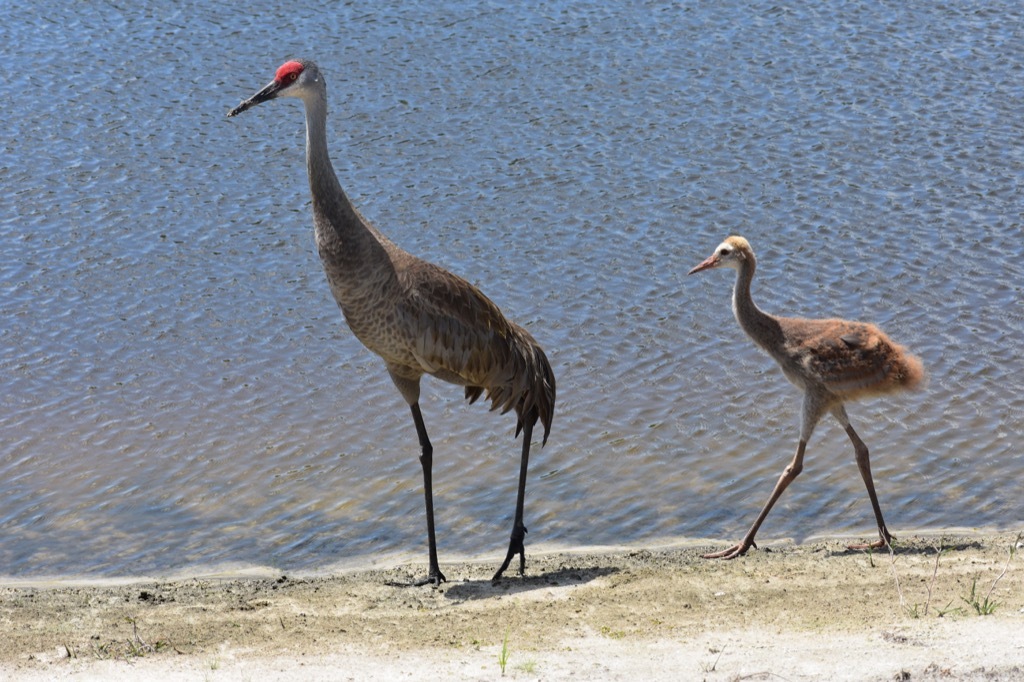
(710, 262)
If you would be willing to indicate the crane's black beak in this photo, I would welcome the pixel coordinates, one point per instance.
(711, 262)
(269, 92)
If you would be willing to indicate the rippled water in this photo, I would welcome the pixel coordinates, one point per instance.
(178, 390)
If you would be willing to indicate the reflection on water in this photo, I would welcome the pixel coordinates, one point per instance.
(178, 389)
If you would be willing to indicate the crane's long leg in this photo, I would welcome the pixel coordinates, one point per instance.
(434, 577)
(864, 464)
(515, 545)
(788, 474)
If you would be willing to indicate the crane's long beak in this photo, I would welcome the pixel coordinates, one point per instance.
(269, 92)
(711, 261)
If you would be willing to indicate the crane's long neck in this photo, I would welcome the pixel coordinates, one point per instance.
(354, 243)
(329, 199)
(760, 326)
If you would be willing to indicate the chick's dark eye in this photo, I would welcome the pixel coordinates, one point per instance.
(723, 252)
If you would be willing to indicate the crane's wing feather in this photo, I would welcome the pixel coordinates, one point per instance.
(460, 335)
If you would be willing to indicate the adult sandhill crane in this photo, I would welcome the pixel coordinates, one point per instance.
(831, 361)
(419, 318)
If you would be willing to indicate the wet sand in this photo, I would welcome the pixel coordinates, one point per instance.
(783, 612)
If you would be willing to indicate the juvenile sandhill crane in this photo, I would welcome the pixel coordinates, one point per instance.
(419, 318)
(831, 361)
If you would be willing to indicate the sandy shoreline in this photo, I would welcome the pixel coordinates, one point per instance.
(791, 612)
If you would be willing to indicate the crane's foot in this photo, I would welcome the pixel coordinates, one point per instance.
(739, 549)
(435, 578)
(877, 544)
(515, 546)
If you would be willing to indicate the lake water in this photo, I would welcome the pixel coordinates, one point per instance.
(178, 391)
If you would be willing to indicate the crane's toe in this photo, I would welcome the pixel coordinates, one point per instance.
(435, 578)
(739, 549)
(877, 544)
(515, 546)
(512, 551)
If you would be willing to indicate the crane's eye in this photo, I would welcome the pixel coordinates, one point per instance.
(723, 251)
(291, 77)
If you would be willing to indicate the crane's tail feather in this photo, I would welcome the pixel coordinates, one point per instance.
(529, 388)
(912, 374)
(870, 367)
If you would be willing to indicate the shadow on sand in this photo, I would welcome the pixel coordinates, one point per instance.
(562, 577)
